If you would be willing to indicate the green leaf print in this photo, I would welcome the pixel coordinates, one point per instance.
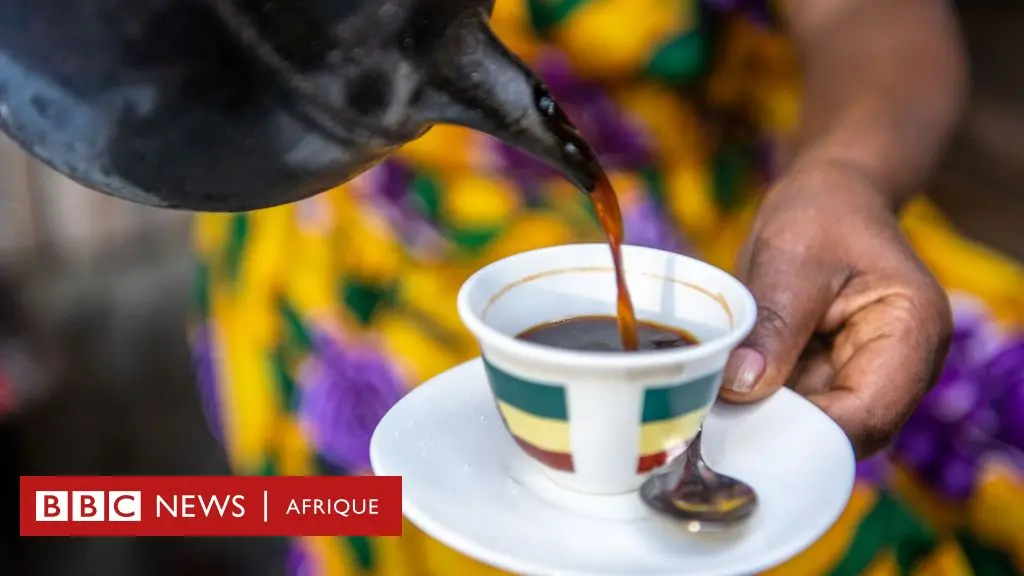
(655, 185)
(360, 549)
(286, 386)
(296, 333)
(235, 248)
(200, 298)
(984, 560)
(325, 467)
(473, 241)
(546, 14)
(269, 466)
(680, 60)
(362, 299)
(889, 526)
(730, 172)
(425, 196)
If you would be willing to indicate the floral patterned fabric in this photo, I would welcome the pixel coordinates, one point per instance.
(311, 320)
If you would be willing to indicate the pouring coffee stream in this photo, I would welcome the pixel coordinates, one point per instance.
(606, 206)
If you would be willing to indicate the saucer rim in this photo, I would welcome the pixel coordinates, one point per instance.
(509, 563)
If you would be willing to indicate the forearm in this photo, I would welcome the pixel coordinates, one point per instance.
(884, 84)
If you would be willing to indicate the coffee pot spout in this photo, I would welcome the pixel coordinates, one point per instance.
(489, 89)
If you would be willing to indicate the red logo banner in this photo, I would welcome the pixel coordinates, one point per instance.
(211, 506)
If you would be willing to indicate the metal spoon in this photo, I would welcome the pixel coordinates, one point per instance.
(688, 490)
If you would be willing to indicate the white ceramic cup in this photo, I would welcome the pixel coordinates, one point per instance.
(601, 422)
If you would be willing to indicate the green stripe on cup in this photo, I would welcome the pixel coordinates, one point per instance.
(672, 401)
(546, 401)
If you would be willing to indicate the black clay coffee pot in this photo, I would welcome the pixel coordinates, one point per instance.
(227, 105)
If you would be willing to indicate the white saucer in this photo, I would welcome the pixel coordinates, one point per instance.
(466, 484)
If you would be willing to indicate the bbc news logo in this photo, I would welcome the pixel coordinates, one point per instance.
(89, 506)
(210, 506)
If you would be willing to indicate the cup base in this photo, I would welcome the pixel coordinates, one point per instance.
(528, 475)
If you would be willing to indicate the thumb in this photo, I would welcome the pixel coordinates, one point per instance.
(793, 289)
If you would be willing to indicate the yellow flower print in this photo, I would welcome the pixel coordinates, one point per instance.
(329, 560)
(432, 295)
(247, 384)
(778, 108)
(414, 348)
(671, 122)
(310, 280)
(722, 247)
(740, 70)
(293, 448)
(267, 251)
(621, 31)
(511, 23)
(938, 513)
(210, 233)
(963, 265)
(439, 559)
(529, 232)
(472, 201)
(996, 510)
(883, 565)
(370, 251)
(447, 148)
(947, 560)
(689, 197)
(573, 207)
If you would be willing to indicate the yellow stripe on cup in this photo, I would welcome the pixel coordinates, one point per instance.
(664, 435)
(545, 433)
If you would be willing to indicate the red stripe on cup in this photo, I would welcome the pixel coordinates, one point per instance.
(556, 460)
(650, 462)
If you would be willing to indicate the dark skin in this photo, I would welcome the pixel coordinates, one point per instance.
(847, 314)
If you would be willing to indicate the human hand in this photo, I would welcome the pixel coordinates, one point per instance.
(847, 314)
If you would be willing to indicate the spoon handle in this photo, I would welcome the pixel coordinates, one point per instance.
(693, 469)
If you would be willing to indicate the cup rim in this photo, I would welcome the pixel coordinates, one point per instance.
(533, 352)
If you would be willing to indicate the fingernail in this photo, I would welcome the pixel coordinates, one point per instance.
(743, 370)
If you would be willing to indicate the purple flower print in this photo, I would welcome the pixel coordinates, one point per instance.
(386, 191)
(346, 390)
(645, 225)
(391, 180)
(974, 412)
(918, 443)
(1006, 363)
(300, 562)
(624, 144)
(874, 470)
(556, 71)
(1011, 414)
(524, 168)
(954, 397)
(203, 359)
(759, 11)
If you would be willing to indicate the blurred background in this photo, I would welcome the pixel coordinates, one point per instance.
(97, 290)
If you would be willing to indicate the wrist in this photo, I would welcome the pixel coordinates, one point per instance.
(840, 173)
